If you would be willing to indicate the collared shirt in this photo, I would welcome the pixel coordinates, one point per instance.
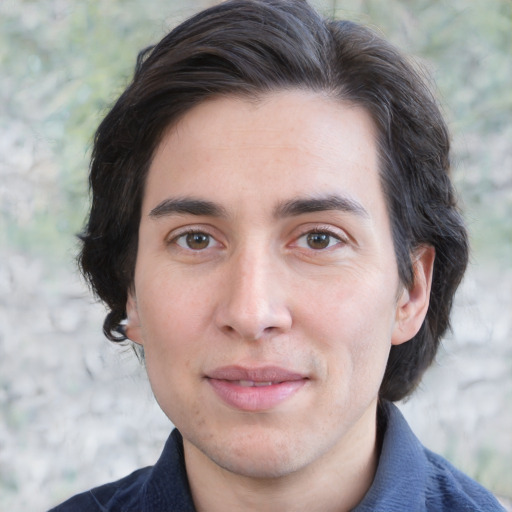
(409, 478)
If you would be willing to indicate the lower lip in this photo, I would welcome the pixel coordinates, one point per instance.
(255, 398)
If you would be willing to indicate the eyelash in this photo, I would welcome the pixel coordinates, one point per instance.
(192, 231)
(340, 238)
(324, 231)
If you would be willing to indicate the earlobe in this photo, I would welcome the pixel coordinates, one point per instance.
(412, 306)
(132, 328)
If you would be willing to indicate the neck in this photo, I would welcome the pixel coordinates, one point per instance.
(336, 481)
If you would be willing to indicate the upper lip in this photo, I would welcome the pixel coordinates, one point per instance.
(257, 374)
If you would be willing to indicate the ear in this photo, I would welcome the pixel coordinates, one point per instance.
(132, 328)
(412, 306)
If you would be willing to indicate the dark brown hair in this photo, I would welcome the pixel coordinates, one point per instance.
(249, 48)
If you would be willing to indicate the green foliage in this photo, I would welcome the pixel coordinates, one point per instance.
(64, 63)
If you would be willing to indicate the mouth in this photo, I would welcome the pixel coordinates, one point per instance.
(251, 383)
(255, 389)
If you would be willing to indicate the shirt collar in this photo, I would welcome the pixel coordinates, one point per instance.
(401, 454)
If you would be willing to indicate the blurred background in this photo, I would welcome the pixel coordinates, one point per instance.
(75, 409)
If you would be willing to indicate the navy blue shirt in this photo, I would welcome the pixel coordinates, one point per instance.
(409, 478)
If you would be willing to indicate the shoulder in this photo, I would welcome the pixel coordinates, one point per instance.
(109, 497)
(411, 477)
(450, 489)
(163, 486)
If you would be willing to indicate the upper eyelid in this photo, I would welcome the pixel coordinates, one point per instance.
(184, 230)
(302, 230)
(175, 240)
(324, 228)
(340, 239)
(171, 241)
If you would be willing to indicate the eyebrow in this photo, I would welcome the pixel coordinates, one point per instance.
(187, 206)
(291, 208)
(300, 206)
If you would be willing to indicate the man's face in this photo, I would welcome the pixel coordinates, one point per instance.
(266, 292)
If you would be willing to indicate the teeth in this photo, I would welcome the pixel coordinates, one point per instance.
(251, 383)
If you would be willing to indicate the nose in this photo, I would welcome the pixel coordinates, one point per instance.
(253, 304)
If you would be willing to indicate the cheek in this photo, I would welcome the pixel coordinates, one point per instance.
(352, 324)
(172, 323)
(170, 332)
(171, 306)
(353, 304)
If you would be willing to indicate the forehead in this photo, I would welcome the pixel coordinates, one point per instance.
(269, 149)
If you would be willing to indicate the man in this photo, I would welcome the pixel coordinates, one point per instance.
(273, 223)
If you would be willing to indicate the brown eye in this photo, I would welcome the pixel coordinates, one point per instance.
(197, 241)
(194, 241)
(318, 240)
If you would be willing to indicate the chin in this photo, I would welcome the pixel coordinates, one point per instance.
(261, 466)
(261, 456)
